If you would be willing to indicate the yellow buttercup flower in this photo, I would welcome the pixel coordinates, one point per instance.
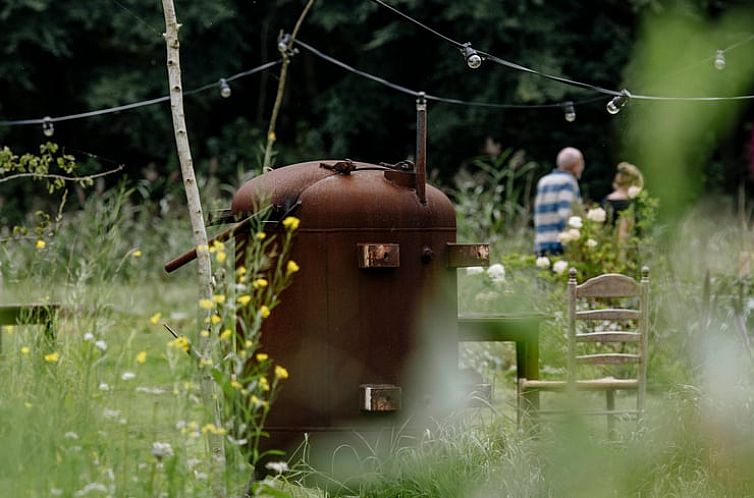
(220, 257)
(206, 304)
(264, 311)
(244, 300)
(235, 384)
(155, 319)
(220, 431)
(181, 342)
(292, 267)
(25, 350)
(225, 335)
(217, 246)
(219, 298)
(215, 319)
(141, 357)
(9, 329)
(261, 357)
(291, 223)
(204, 333)
(40, 244)
(248, 344)
(260, 283)
(264, 384)
(52, 357)
(281, 372)
(241, 271)
(136, 253)
(205, 362)
(261, 235)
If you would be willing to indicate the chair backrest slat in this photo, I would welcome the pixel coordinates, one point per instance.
(609, 285)
(608, 359)
(616, 336)
(608, 314)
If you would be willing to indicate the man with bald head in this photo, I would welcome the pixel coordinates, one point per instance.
(556, 194)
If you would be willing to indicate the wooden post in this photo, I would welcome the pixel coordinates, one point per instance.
(210, 396)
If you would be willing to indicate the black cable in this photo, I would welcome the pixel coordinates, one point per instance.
(135, 105)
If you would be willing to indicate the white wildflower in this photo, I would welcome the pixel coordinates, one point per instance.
(634, 191)
(591, 243)
(88, 336)
(56, 492)
(598, 215)
(71, 435)
(542, 262)
(496, 272)
(278, 467)
(560, 266)
(237, 442)
(474, 270)
(569, 235)
(192, 462)
(108, 413)
(101, 345)
(202, 476)
(161, 450)
(90, 488)
(128, 375)
(575, 222)
(103, 386)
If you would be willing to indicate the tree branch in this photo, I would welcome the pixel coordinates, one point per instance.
(48, 176)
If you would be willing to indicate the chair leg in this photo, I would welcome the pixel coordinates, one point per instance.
(610, 396)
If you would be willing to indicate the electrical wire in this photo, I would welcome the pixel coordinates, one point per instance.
(135, 105)
(430, 97)
(561, 79)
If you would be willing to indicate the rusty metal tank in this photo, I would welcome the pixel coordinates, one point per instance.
(375, 276)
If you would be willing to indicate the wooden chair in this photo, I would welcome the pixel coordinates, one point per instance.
(617, 336)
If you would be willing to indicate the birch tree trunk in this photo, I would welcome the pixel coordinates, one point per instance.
(209, 393)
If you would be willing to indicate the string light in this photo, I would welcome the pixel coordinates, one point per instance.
(473, 59)
(618, 102)
(224, 88)
(47, 127)
(720, 60)
(569, 112)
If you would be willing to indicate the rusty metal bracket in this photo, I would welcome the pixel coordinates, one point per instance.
(465, 255)
(379, 398)
(340, 167)
(378, 255)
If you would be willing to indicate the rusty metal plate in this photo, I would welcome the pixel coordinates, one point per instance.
(465, 255)
(379, 398)
(379, 255)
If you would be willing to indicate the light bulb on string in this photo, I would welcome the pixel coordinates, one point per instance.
(473, 59)
(569, 112)
(47, 127)
(720, 60)
(618, 102)
(224, 88)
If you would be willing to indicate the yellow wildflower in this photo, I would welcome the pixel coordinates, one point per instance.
(248, 344)
(271, 137)
(217, 246)
(291, 223)
(264, 384)
(9, 329)
(292, 267)
(25, 350)
(244, 300)
(219, 298)
(215, 319)
(155, 319)
(240, 272)
(281, 372)
(204, 333)
(254, 400)
(260, 283)
(141, 357)
(40, 244)
(202, 248)
(181, 342)
(136, 253)
(205, 362)
(226, 335)
(235, 384)
(52, 357)
(220, 431)
(261, 235)
(264, 311)
(220, 257)
(206, 304)
(28, 405)
(261, 357)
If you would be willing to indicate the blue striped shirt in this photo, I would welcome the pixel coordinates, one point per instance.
(556, 193)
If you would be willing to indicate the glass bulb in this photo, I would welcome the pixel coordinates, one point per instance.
(720, 60)
(47, 127)
(224, 89)
(570, 112)
(474, 61)
(618, 102)
(612, 107)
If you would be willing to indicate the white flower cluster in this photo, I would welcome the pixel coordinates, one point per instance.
(598, 215)
(161, 450)
(496, 272)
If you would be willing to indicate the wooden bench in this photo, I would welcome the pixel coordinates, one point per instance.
(25, 314)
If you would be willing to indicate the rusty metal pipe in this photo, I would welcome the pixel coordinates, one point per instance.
(421, 148)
